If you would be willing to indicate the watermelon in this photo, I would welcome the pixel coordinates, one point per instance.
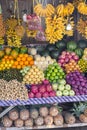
(40, 49)
(61, 45)
(82, 44)
(71, 45)
(50, 47)
(55, 54)
(79, 52)
(44, 53)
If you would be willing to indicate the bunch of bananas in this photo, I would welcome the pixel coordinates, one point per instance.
(76, 2)
(82, 27)
(42, 11)
(55, 28)
(82, 8)
(13, 39)
(1, 40)
(31, 33)
(65, 10)
(69, 26)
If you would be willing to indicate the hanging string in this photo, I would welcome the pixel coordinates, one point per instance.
(15, 7)
(36, 1)
(18, 13)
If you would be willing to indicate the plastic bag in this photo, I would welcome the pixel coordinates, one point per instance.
(40, 36)
(34, 22)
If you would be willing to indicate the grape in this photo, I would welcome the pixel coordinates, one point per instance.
(78, 82)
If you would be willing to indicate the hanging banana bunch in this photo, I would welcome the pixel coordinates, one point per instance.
(44, 11)
(82, 8)
(69, 26)
(55, 29)
(82, 27)
(13, 39)
(65, 10)
(76, 2)
(2, 28)
(31, 33)
(15, 31)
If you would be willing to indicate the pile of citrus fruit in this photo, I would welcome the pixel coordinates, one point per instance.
(23, 60)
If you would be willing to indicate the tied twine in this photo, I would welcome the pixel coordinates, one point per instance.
(16, 9)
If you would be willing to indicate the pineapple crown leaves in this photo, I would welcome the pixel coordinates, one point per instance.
(78, 108)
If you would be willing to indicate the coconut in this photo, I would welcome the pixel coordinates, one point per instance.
(13, 115)
(43, 111)
(34, 113)
(48, 120)
(7, 122)
(29, 122)
(18, 123)
(24, 114)
(39, 121)
(53, 111)
(58, 120)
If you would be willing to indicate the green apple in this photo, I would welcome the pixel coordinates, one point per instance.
(61, 87)
(65, 93)
(63, 82)
(71, 93)
(67, 87)
(59, 93)
(55, 86)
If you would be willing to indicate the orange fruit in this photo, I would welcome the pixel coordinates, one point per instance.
(26, 63)
(3, 59)
(22, 66)
(18, 59)
(16, 63)
(13, 66)
(30, 58)
(31, 62)
(26, 55)
(6, 57)
(23, 59)
(20, 55)
(22, 63)
(18, 66)
(10, 58)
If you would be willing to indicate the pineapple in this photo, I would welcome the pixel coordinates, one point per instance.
(83, 118)
(58, 120)
(85, 112)
(69, 118)
(80, 110)
(43, 111)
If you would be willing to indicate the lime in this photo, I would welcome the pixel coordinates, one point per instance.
(53, 74)
(55, 70)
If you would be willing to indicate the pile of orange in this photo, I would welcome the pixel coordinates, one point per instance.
(22, 61)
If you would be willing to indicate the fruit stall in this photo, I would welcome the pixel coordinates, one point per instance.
(43, 64)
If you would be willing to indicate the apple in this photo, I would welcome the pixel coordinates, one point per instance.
(38, 95)
(61, 87)
(46, 94)
(52, 94)
(67, 87)
(58, 93)
(55, 86)
(31, 95)
(34, 89)
(49, 88)
(63, 82)
(42, 89)
(71, 93)
(65, 93)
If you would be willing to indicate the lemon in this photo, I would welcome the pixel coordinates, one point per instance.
(7, 62)
(6, 65)
(10, 65)
(2, 65)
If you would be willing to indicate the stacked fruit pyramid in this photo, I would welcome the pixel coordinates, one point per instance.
(63, 71)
